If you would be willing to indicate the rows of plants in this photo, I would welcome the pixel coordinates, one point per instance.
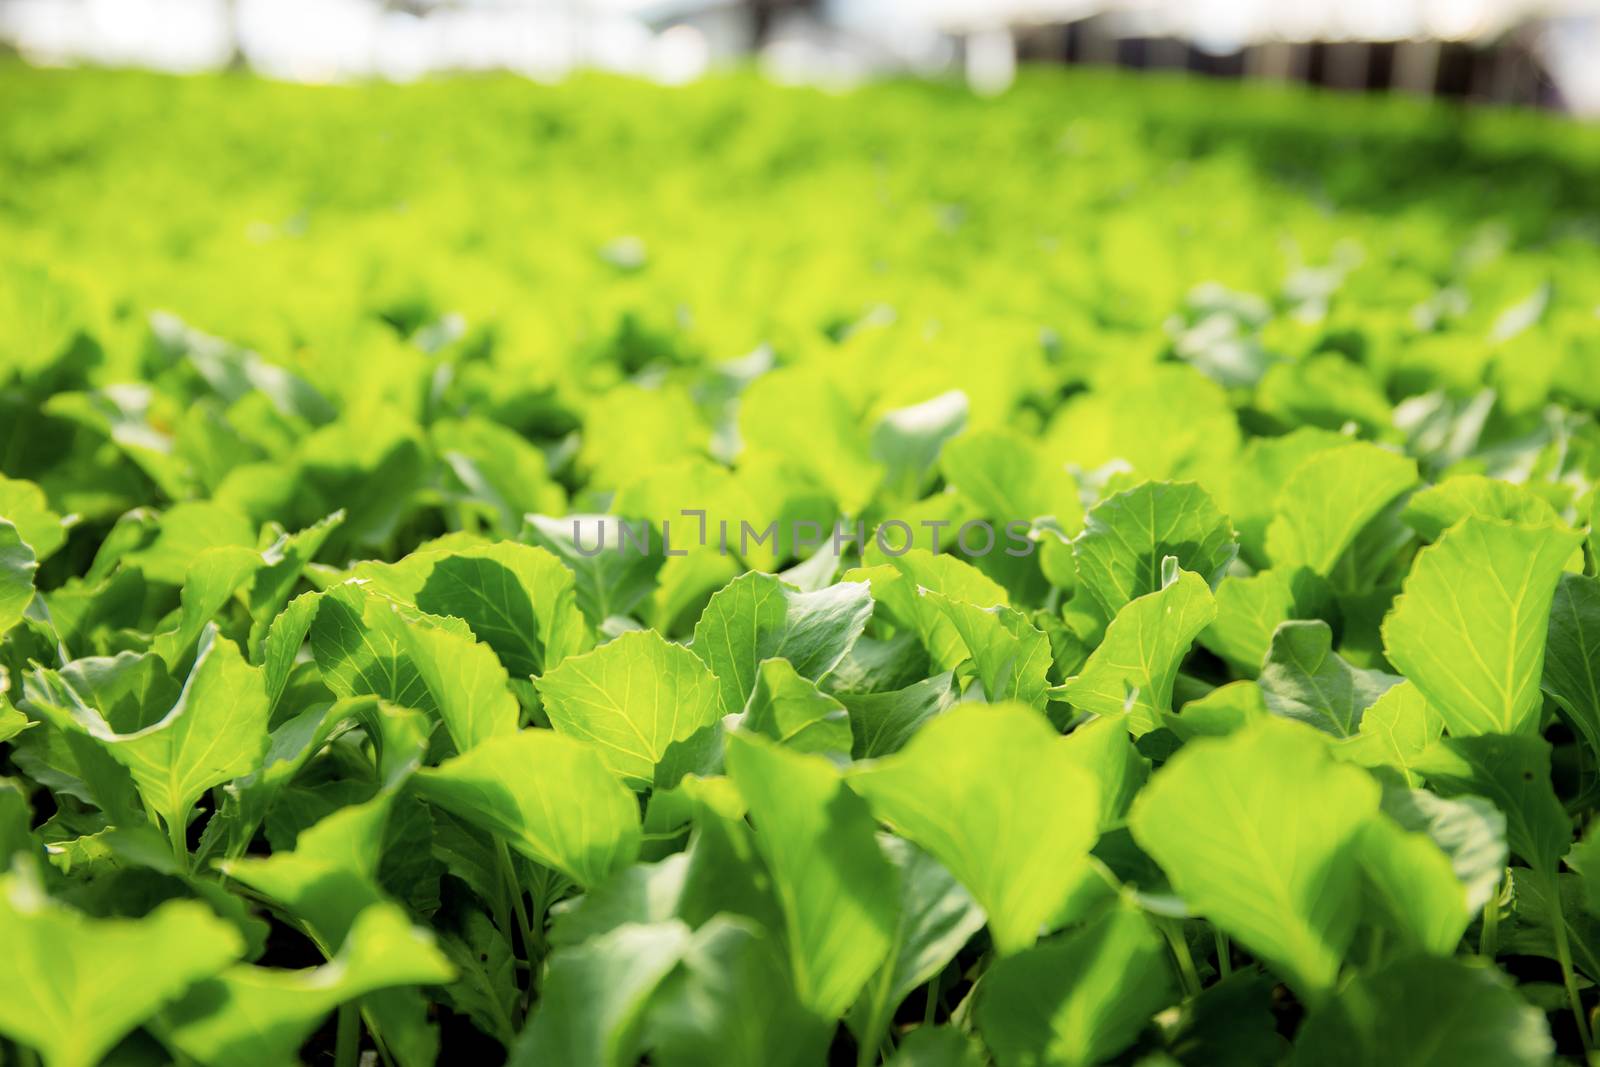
(599, 574)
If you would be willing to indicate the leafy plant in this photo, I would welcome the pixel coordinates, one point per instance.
(601, 575)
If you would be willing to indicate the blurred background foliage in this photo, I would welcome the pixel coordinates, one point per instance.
(472, 269)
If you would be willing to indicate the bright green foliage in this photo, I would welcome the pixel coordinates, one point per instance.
(732, 1002)
(1009, 477)
(634, 698)
(516, 599)
(74, 985)
(1287, 886)
(1572, 654)
(17, 564)
(543, 606)
(1435, 509)
(1433, 863)
(756, 617)
(1010, 656)
(1305, 680)
(791, 709)
(939, 792)
(1080, 999)
(1126, 537)
(596, 994)
(839, 916)
(262, 1015)
(27, 508)
(1132, 672)
(1396, 730)
(899, 584)
(1329, 498)
(1426, 1011)
(1469, 629)
(550, 797)
(1249, 610)
(937, 919)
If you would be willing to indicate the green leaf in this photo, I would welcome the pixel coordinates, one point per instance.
(235, 373)
(213, 578)
(365, 643)
(633, 697)
(12, 721)
(284, 562)
(359, 642)
(16, 820)
(73, 986)
(518, 600)
(1330, 496)
(1230, 1024)
(1469, 628)
(839, 916)
(937, 918)
(907, 440)
(756, 617)
(1395, 730)
(263, 1015)
(1225, 710)
(1103, 748)
(1114, 421)
(285, 636)
(1249, 610)
(611, 574)
(791, 710)
(643, 893)
(1426, 1010)
(1531, 925)
(801, 415)
(1572, 655)
(1126, 537)
(731, 1003)
(485, 989)
(1131, 674)
(1257, 832)
(898, 583)
(326, 882)
(187, 530)
(727, 871)
(1584, 858)
(1010, 478)
(468, 684)
(1414, 890)
(25, 506)
(498, 468)
(1305, 680)
(881, 723)
(1324, 389)
(1250, 492)
(550, 797)
(1011, 655)
(216, 732)
(936, 1046)
(595, 996)
(1513, 773)
(1077, 1000)
(1437, 508)
(330, 877)
(942, 793)
(290, 746)
(1433, 903)
(17, 565)
(127, 687)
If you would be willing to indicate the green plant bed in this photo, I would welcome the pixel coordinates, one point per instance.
(604, 574)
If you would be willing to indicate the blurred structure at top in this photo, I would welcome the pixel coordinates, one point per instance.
(1532, 52)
